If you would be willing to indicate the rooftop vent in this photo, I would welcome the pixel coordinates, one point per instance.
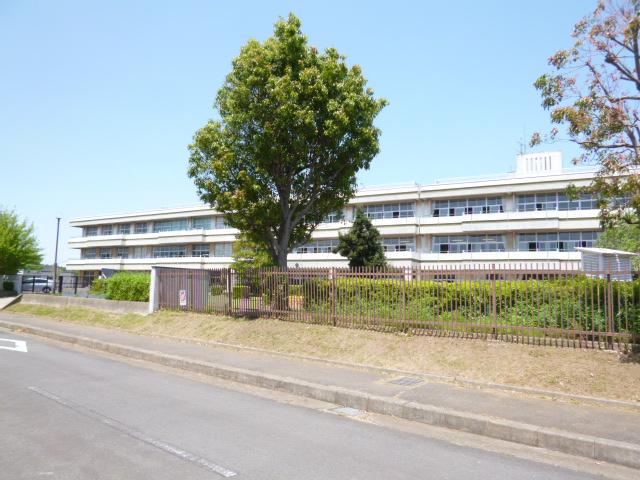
(539, 163)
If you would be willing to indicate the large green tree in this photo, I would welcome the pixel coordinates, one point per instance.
(247, 255)
(594, 90)
(362, 244)
(295, 127)
(18, 245)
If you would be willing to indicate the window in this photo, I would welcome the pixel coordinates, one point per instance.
(124, 229)
(555, 201)
(140, 228)
(90, 231)
(167, 251)
(122, 252)
(88, 253)
(220, 223)
(105, 253)
(140, 252)
(202, 223)
(333, 217)
(222, 249)
(468, 243)
(389, 210)
(200, 250)
(556, 242)
(170, 225)
(107, 230)
(317, 246)
(399, 244)
(468, 206)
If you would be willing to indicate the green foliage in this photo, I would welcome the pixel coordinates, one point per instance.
(18, 245)
(99, 286)
(622, 237)
(128, 286)
(296, 125)
(240, 291)
(216, 290)
(593, 92)
(8, 286)
(295, 290)
(249, 255)
(575, 303)
(362, 244)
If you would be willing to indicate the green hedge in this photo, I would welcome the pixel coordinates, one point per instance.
(99, 286)
(572, 303)
(128, 286)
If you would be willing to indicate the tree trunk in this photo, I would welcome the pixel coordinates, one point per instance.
(281, 285)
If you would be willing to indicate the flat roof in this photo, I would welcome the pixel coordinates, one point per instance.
(368, 191)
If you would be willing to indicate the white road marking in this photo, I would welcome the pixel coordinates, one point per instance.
(18, 345)
(116, 425)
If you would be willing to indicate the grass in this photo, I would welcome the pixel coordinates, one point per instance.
(568, 370)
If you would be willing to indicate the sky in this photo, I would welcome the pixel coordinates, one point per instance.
(99, 100)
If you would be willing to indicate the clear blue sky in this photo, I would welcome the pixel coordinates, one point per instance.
(99, 100)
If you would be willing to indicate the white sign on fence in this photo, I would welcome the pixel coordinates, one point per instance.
(182, 297)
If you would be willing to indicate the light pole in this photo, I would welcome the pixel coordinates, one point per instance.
(55, 259)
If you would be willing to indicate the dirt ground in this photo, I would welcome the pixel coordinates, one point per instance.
(578, 371)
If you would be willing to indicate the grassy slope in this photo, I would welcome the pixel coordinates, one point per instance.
(586, 372)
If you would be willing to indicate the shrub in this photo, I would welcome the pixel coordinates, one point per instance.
(8, 286)
(99, 286)
(571, 303)
(128, 286)
(216, 290)
(295, 290)
(240, 291)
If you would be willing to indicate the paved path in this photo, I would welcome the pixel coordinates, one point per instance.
(596, 421)
(72, 415)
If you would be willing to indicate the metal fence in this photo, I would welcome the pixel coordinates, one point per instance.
(536, 304)
(65, 284)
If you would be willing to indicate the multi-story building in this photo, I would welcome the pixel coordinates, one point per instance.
(512, 219)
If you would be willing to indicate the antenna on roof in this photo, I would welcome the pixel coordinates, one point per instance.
(522, 144)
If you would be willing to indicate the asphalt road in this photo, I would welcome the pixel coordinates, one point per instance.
(69, 414)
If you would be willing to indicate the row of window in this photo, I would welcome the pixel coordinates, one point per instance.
(222, 249)
(389, 244)
(198, 223)
(555, 201)
(467, 206)
(528, 242)
(564, 242)
(442, 208)
(531, 242)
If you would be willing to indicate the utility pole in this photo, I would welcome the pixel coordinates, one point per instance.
(55, 259)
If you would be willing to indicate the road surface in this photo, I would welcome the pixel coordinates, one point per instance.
(72, 414)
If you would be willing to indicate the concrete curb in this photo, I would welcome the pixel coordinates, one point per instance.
(8, 301)
(582, 445)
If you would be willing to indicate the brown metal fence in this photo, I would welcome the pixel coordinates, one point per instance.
(533, 304)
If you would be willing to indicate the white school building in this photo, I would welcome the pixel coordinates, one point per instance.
(508, 220)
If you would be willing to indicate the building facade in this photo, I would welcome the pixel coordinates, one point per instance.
(511, 220)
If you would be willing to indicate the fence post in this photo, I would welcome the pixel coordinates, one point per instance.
(75, 285)
(494, 306)
(153, 290)
(609, 303)
(229, 292)
(60, 278)
(404, 298)
(333, 296)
